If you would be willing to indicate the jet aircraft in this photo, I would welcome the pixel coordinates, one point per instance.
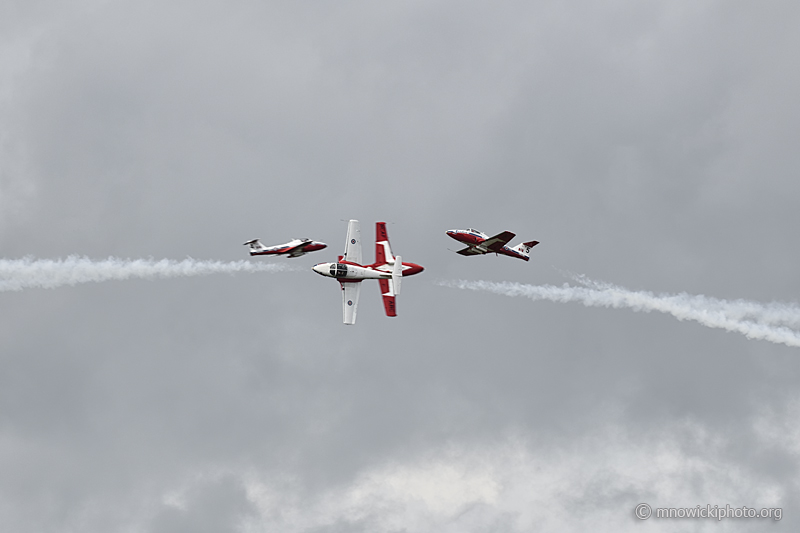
(293, 248)
(479, 243)
(348, 270)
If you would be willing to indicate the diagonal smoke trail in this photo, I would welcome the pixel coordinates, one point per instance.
(751, 319)
(19, 274)
(773, 313)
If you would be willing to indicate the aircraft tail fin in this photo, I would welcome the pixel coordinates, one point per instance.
(255, 246)
(397, 274)
(524, 249)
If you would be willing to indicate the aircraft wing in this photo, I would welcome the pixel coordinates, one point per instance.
(352, 248)
(387, 292)
(383, 251)
(470, 250)
(497, 242)
(350, 292)
(296, 251)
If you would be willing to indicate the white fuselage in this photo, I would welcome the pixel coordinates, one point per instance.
(349, 271)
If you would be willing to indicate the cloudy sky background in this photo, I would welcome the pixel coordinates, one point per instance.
(651, 145)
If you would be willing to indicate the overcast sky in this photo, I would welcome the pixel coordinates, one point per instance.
(652, 145)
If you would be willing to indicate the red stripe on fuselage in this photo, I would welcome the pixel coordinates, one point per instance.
(466, 238)
(410, 270)
(271, 252)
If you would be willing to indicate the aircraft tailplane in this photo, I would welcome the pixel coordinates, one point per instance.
(524, 248)
(255, 246)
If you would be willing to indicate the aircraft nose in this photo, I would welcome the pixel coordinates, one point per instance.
(319, 268)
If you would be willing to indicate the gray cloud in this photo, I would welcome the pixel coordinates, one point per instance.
(647, 145)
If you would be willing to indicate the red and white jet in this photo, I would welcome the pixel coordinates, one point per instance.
(293, 248)
(387, 269)
(478, 243)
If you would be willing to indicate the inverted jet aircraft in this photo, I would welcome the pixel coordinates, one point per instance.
(293, 248)
(348, 270)
(478, 243)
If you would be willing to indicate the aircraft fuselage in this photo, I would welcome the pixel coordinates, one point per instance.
(478, 243)
(293, 248)
(347, 271)
(467, 236)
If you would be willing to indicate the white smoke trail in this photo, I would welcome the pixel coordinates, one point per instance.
(773, 313)
(19, 274)
(751, 319)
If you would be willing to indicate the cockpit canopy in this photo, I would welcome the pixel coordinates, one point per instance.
(338, 270)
